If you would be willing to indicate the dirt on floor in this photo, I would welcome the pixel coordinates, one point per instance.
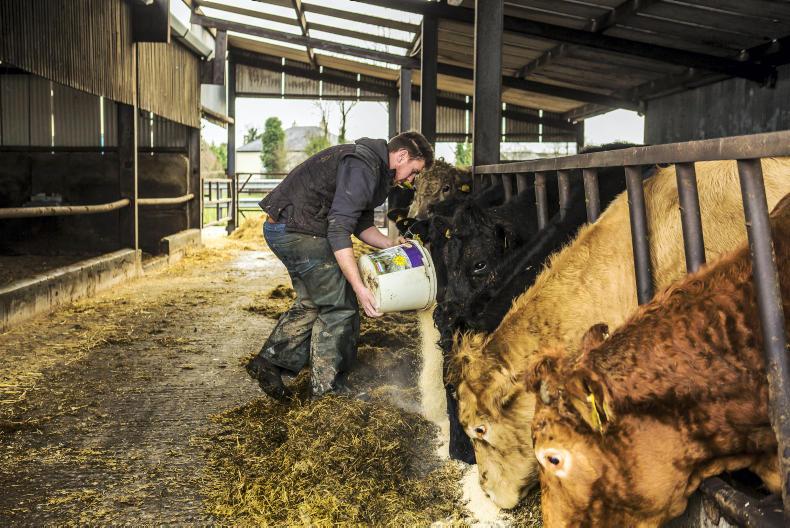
(133, 408)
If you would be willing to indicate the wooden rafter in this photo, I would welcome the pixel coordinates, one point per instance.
(618, 14)
(345, 49)
(300, 18)
(254, 13)
(544, 59)
(748, 70)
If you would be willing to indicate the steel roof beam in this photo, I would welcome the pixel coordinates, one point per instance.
(349, 15)
(346, 49)
(545, 59)
(552, 32)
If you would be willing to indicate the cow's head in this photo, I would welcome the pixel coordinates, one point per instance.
(496, 413)
(598, 468)
(477, 241)
(440, 183)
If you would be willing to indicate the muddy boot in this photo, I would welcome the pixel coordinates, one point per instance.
(269, 378)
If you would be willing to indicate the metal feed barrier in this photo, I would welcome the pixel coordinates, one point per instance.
(747, 150)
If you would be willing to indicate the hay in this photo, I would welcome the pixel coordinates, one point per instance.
(335, 461)
(527, 513)
(250, 230)
(274, 303)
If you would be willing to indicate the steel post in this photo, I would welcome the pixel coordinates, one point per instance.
(507, 183)
(541, 200)
(522, 182)
(428, 77)
(487, 103)
(231, 147)
(404, 100)
(772, 317)
(640, 241)
(690, 219)
(592, 197)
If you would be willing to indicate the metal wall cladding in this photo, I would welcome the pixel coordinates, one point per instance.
(154, 132)
(77, 117)
(83, 44)
(258, 81)
(727, 108)
(25, 111)
(169, 81)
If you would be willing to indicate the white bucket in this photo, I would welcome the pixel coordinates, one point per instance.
(401, 277)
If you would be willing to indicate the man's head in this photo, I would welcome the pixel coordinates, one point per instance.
(409, 153)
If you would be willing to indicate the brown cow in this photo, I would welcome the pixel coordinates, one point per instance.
(628, 430)
(589, 281)
(438, 183)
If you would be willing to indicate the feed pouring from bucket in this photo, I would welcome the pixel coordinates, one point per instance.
(401, 277)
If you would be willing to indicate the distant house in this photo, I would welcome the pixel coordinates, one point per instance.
(248, 157)
(296, 140)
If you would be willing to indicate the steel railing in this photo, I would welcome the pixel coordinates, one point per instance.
(747, 150)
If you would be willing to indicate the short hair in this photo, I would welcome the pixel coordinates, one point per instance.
(415, 144)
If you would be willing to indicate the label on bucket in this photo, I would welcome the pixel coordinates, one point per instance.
(396, 258)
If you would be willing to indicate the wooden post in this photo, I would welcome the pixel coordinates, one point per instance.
(232, 146)
(194, 182)
(405, 100)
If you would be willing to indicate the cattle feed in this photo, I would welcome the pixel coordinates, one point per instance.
(434, 404)
(627, 430)
(589, 281)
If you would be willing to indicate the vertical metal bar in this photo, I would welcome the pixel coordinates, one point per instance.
(494, 179)
(507, 183)
(541, 201)
(483, 181)
(127, 175)
(579, 129)
(690, 219)
(487, 102)
(522, 182)
(640, 241)
(428, 71)
(592, 197)
(232, 145)
(405, 100)
(564, 187)
(772, 317)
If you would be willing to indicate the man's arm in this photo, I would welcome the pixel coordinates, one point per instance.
(348, 265)
(373, 237)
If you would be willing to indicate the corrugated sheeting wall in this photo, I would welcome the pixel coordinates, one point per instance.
(157, 132)
(727, 108)
(170, 82)
(83, 44)
(26, 107)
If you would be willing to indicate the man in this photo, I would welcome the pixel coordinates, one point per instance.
(311, 217)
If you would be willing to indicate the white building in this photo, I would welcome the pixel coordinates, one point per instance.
(248, 157)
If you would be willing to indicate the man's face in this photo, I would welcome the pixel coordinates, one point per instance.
(406, 168)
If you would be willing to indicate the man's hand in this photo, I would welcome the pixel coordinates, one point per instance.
(401, 240)
(368, 301)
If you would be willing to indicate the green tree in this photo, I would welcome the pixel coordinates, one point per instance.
(251, 135)
(221, 152)
(316, 144)
(345, 109)
(273, 145)
(463, 154)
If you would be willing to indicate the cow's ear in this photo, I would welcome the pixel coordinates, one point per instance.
(420, 230)
(591, 398)
(397, 215)
(541, 373)
(594, 337)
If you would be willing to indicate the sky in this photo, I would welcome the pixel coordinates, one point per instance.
(371, 119)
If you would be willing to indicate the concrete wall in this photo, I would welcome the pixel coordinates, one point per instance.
(87, 178)
(728, 108)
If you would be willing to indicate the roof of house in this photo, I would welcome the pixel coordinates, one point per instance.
(296, 139)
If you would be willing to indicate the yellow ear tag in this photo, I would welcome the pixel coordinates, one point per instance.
(594, 416)
(465, 188)
(417, 238)
(399, 219)
(447, 234)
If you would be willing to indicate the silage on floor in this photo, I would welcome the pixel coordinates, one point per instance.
(335, 461)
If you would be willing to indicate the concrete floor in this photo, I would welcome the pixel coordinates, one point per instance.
(101, 402)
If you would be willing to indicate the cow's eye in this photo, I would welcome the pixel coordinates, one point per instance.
(481, 430)
(446, 188)
(480, 266)
(554, 460)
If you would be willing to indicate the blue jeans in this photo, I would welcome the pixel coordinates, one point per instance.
(322, 326)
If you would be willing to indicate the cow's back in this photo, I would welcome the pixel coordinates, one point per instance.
(592, 280)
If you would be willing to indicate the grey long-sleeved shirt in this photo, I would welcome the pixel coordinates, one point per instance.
(353, 203)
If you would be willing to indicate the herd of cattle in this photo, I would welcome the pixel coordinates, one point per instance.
(552, 371)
